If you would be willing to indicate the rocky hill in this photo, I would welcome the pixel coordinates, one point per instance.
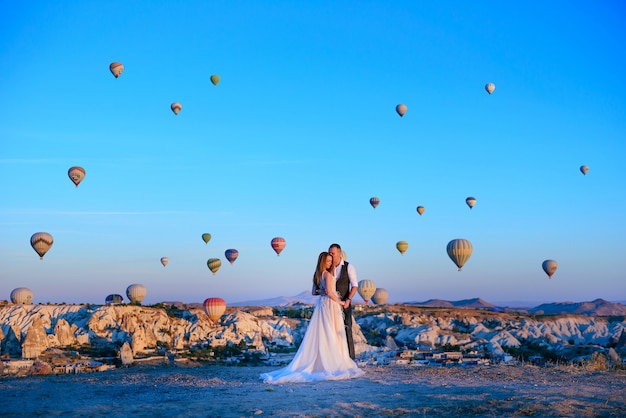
(29, 331)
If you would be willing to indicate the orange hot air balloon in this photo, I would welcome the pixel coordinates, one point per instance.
(420, 210)
(164, 261)
(176, 107)
(490, 87)
(278, 244)
(214, 308)
(76, 174)
(401, 109)
(374, 201)
(116, 68)
(41, 243)
(231, 255)
(215, 79)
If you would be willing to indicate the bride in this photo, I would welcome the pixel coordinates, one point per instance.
(323, 353)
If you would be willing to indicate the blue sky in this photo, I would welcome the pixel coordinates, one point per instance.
(298, 135)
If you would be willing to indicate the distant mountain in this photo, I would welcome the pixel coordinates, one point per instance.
(598, 307)
(475, 303)
(304, 297)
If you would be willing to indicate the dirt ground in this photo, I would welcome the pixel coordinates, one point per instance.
(386, 391)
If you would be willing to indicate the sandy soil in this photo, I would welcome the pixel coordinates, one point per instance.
(229, 391)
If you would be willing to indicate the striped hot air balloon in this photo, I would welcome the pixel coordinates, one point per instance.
(459, 251)
(76, 174)
(278, 244)
(374, 201)
(116, 68)
(136, 293)
(214, 308)
(366, 289)
(380, 296)
(22, 296)
(113, 299)
(214, 264)
(41, 243)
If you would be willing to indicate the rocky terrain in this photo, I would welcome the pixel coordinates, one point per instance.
(133, 332)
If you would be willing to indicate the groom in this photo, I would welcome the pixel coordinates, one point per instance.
(347, 286)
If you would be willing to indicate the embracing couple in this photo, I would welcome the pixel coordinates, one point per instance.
(327, 349)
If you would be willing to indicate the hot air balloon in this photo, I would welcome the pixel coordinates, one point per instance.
(214, 264)
(41, 243)
(374, 201)
(113, 299)
(402, 246)
(215, 79)
(420, 210)
(380, 296)
(136, 293)
(231, 255)
(116, 68)
(164, 261)
(22, 296)
(278, 244)
(584, 169)
(471, 201)
(206, 238)
(459, 251)
(549, 266)
(401, 109)
(176, 107)
(490, 87)
(214, 308)
(366, 289)
(76, 174)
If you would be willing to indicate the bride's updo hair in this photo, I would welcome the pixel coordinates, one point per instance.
(321, 260)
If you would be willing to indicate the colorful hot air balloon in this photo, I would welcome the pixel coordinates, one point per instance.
(366, 289)
(584, 169)
(374, 201)
(164, 261)
(278, 244)
(76, 174)
(176, 107)
(206, 238)
(471, 201)
(401, 109)
(490, 87)
(116, 68)
(214, 264)
(402, 246)
(459, 251)
(113, 299)
(22, 296)
(231, 255)
(41, 243)
(549, 266)
(380, 296)
(214, 308)
(136, 293)
(215, 79)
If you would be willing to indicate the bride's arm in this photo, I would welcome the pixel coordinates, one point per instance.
(330, 284)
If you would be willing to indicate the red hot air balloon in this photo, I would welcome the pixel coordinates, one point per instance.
(278, 244)
(76, 174)
(214, 308)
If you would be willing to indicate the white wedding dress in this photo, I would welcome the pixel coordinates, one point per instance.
(323, 353)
